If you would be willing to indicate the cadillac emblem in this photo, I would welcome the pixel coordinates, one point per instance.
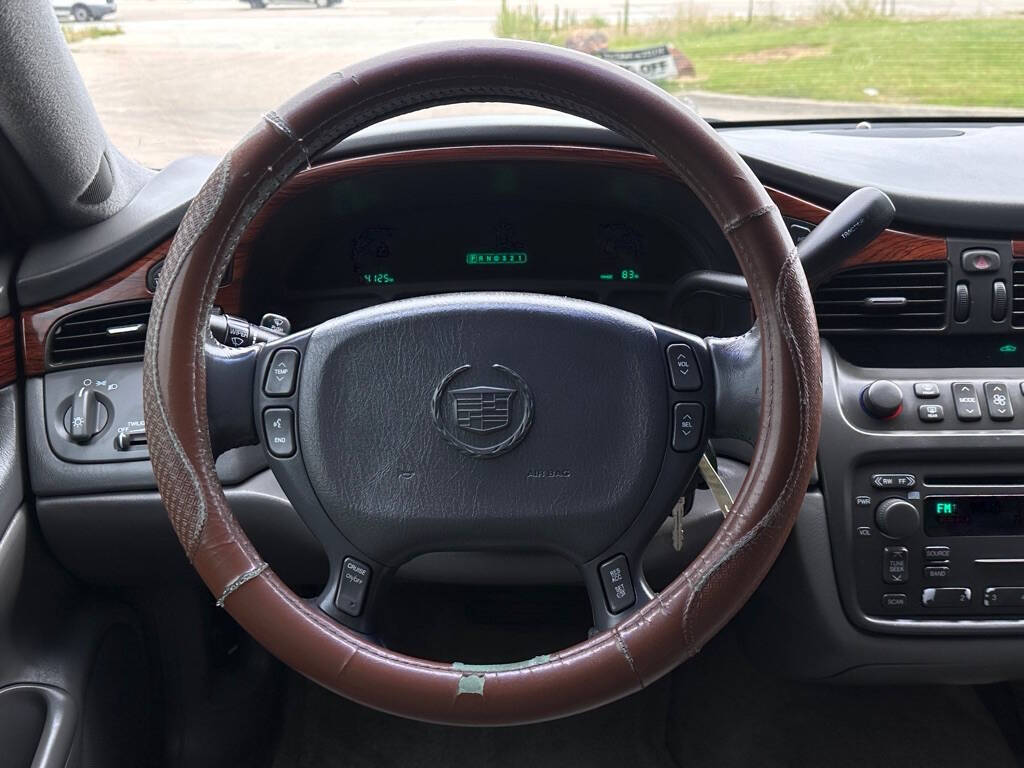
(484, 410)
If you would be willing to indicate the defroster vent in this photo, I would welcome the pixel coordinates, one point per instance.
(885, 297)
(99, 335)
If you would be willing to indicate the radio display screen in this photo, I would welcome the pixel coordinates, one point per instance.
(974, 516)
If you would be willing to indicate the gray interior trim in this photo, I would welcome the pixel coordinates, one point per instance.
(51, 476)
(12, 562)
(49, 118)
(795, 626)
(12, 491)
(58, 732)
(970, 180)
(65, 264)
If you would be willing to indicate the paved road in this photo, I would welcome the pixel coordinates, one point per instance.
(194, 75)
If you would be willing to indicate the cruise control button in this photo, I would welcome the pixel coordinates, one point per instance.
(926, 389)
(279, 425)
(894, 565)
(280, 381)
(965, 396)
(687, 423)
(997, 398)
(930, 412)
(683, 367)
(1004, 597)
(617, 584)
(946, 596)
(355, 581)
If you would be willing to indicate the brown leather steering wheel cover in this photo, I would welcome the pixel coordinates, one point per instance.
(696, 605)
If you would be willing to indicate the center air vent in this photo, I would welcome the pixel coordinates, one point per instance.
(886, 297)
(1017, 318)
(99, 335)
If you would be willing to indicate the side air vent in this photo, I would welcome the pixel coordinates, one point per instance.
(1017, 316)
(99, 335)
(885, 297)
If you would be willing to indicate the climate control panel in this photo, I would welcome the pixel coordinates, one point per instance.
(932, 404)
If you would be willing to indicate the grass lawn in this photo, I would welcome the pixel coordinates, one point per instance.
(961, 62)
(76, 33)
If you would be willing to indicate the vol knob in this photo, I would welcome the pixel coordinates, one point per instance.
(897, 518)
(882, 399)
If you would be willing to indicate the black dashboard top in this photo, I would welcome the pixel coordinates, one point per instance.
(959, 178)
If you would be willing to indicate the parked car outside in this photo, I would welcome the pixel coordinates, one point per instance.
(317, 3)
(84, 11)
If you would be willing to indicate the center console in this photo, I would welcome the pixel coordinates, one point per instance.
(923, 471)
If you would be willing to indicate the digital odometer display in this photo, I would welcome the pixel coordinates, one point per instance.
(974, 516)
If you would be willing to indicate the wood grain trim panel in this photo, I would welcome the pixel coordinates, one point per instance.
(130, 282)
(8, 356)
(1018, 249)
(891, 246)
(125, 285)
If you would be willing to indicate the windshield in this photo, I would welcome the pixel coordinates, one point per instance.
(177, 77)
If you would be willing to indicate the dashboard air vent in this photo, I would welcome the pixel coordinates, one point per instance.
(885, 297)
(1017, 312)
(99, 334)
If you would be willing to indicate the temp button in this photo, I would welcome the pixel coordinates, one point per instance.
(280, 381)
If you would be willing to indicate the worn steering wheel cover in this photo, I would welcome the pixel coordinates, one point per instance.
(683, 617)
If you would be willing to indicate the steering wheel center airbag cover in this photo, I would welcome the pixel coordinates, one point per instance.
(405, 404)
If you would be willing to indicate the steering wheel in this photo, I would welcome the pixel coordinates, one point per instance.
(482, 421)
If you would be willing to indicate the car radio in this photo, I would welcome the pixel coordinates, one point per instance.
(929, 544)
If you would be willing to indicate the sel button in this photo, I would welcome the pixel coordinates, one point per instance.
(687, 423)
(280, 381)
(279, 424)
(683, 367)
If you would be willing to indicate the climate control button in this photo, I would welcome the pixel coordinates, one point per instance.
(882, 399)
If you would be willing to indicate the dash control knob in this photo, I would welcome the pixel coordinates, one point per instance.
(882, 399)
(897, 518)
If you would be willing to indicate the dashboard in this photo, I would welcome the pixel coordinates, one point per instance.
(907, 562)
(538, 219)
